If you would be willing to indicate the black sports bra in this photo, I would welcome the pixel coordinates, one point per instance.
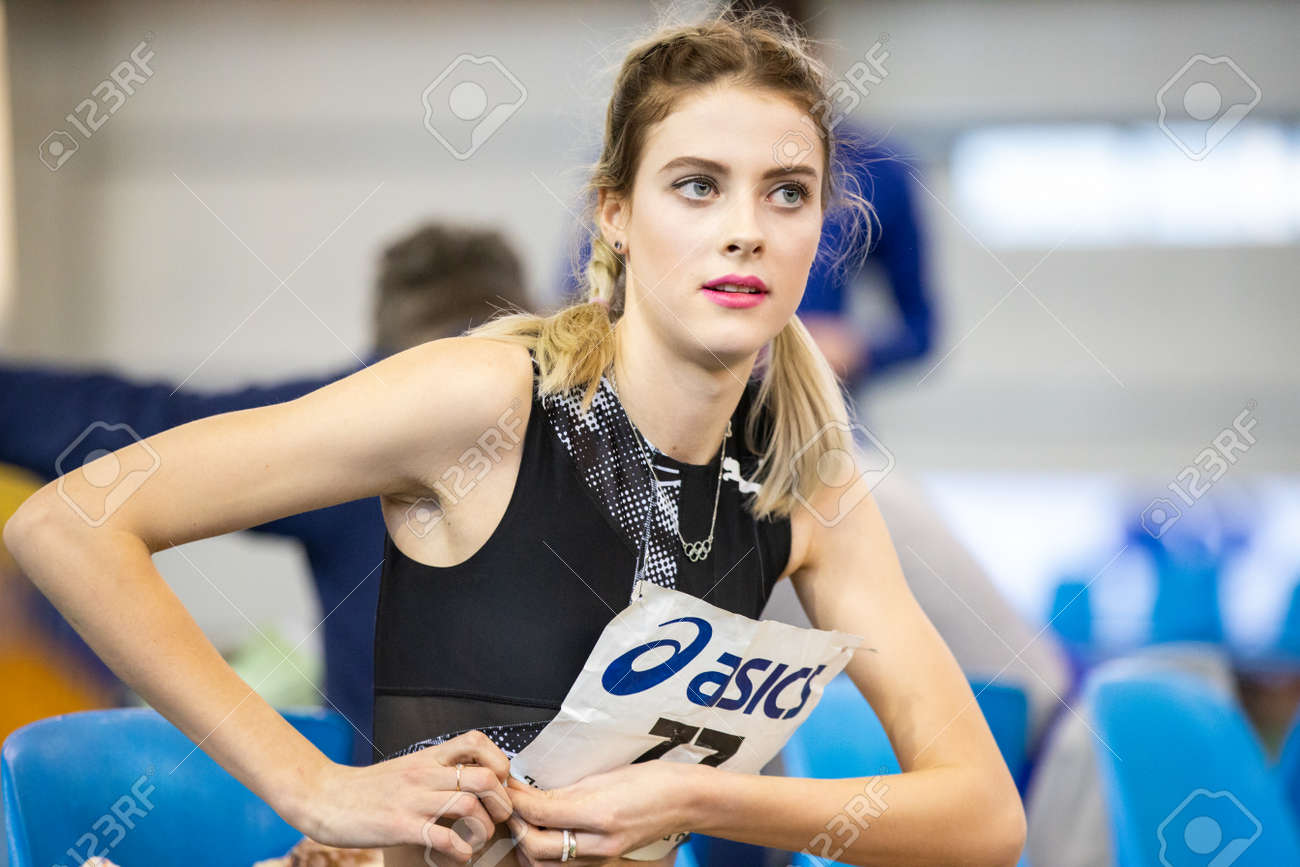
(495, 642)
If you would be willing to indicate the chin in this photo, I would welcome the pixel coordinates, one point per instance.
(733, 345)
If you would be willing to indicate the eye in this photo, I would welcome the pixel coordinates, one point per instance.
(694, 182)
(795, 187)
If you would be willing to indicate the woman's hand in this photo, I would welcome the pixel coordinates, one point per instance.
(611, 813)
(401, 800)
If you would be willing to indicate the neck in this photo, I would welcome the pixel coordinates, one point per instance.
(681, 405)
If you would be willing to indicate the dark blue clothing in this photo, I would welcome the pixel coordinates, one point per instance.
(897, 246)
(43, 410)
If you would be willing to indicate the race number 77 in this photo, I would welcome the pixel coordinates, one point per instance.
(677, 734)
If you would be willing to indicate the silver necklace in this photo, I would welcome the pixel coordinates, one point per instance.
(695, 551)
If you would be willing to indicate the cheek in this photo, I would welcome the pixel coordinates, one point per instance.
(666, 235)
(799, 241)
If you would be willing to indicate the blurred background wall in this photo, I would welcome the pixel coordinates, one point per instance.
(285, 141)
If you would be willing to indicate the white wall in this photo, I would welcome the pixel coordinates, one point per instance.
(288, 132)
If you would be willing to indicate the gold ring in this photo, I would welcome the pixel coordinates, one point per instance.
(458, 777)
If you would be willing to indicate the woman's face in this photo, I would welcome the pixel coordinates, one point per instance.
(729, 186)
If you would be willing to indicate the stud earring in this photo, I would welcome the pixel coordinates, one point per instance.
(618, 245)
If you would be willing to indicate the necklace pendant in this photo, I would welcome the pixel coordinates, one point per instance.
(697, 551)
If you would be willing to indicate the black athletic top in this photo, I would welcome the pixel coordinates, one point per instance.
(495, 642)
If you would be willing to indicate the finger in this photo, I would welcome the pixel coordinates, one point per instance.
(548, 845)
(476, 827)
(483, 783)
(535, 843)
(497, 803)
(442, 838)
(550, 809)
(457, 805)
(474, 747)
(462, 812)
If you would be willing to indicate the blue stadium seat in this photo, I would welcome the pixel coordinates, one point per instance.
(1288, 768)
(1186, 606)
(1071, 614)
(842, 737)
(1006, 710)
(1187, 781)
(127, 784)
(1287, 647)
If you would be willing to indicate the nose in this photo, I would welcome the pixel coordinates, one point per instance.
(744, 236)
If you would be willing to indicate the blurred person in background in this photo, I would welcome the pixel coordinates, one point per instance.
(436, 281)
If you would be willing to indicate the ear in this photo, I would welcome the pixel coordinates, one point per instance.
(612, 212)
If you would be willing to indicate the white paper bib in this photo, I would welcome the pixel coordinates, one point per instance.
(675, 678)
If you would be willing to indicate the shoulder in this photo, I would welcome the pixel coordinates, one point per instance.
(481, 376)
(471, 375)
(440, 397)
(835, 527)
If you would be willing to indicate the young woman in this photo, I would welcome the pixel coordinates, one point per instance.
(515, 469)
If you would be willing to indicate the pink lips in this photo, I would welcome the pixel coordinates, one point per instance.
(748, 280)
(735, 299)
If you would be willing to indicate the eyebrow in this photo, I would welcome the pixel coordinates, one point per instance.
(719, 169)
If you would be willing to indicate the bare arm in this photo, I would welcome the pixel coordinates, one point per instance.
(383, 430)
(955, 801)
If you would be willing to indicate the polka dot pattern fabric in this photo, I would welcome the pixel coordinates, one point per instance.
(611, 459)
(510, 738)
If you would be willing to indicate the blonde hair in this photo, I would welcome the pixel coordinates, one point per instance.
(808, 414)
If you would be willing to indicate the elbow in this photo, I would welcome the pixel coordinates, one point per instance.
(1006, 836)
(991, 821)
(18, 529)
(28, 521)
